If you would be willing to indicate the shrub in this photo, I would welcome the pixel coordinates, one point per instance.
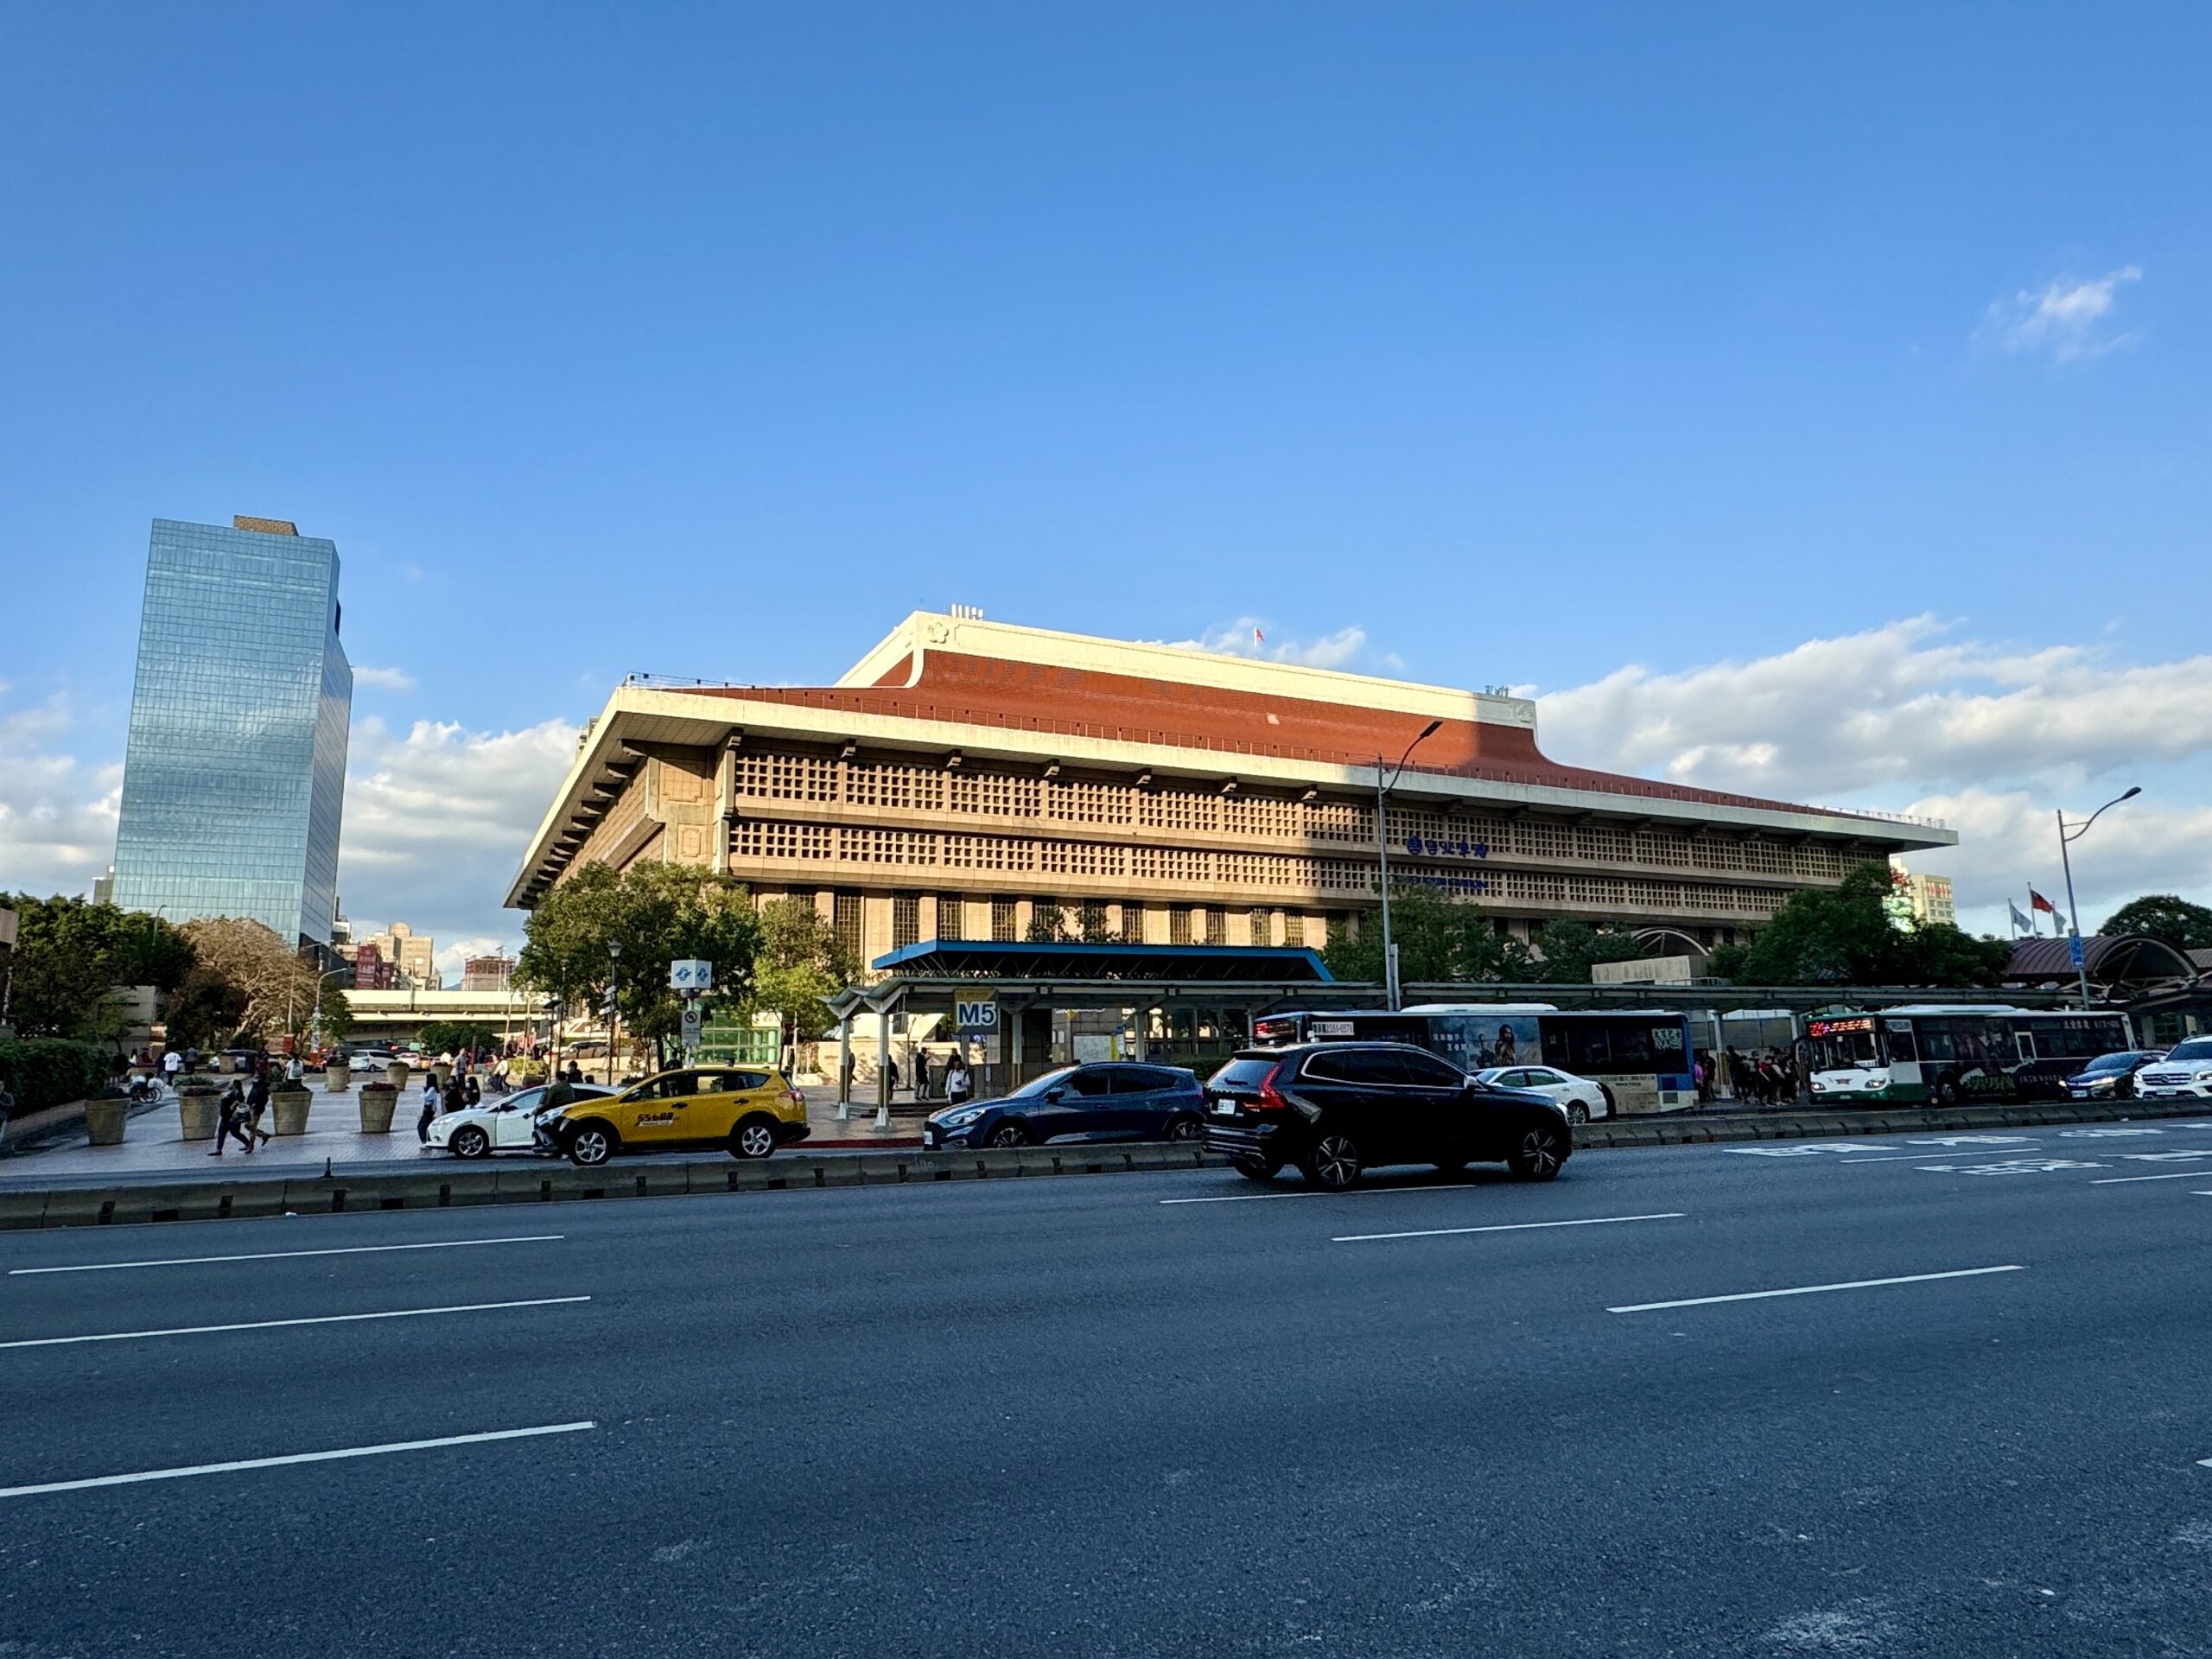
(43, 1071)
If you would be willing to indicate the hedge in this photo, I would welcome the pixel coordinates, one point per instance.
(43, 1071)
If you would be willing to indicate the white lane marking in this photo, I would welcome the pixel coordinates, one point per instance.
(272, 1324)
(279, 1256)
(1506, 1227)
(1915, 1157)
(1812, 1290)
(2122, 1180)
(296, 1456)
(1356, 1193)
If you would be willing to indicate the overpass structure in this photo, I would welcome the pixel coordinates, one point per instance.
(397, 1014)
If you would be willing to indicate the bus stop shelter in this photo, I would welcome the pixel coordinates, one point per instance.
(1019, 1009)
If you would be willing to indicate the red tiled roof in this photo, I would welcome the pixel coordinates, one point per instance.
(1040, 697)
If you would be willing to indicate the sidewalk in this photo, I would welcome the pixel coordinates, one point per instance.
(154, 1143)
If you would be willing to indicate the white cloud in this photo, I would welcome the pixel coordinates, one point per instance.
(452, 959)
(1246, 636)
(57, 815)
(391, 679)
(1905, 706)
(437, 820)
(2065, 320)
(1990, 737)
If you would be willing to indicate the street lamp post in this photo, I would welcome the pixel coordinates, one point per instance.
(2065, 838)
(613, 955)
(1383, 786)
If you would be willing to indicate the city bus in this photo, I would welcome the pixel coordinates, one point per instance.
(1639, 1056)
(1934, 1052)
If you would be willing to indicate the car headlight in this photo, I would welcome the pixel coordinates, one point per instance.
(960, 1118)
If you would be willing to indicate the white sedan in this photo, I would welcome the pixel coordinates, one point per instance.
(1582, 1099)
(503, 1123)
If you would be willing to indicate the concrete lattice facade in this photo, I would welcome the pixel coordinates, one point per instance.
(967, 776)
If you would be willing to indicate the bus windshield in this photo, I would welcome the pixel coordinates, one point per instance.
(1842, 1044)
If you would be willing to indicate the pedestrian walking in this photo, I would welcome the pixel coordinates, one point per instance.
(429, 1108)
(230, 1120)
(257, 1102)
(891, 1076)
(921, 1074)
(172, 1063)
(957, 1083)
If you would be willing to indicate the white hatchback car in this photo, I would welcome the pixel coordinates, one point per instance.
(1580, 1097)
(502, 1123)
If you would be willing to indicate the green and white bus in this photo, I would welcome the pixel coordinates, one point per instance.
(1946, 1054)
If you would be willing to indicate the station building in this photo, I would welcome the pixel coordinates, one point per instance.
(966, 778)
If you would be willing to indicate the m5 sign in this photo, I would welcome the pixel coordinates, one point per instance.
(981, 1016)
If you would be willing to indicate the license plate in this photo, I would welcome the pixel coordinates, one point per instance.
(1224, 1108)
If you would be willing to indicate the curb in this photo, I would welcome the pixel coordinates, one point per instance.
(551, 1183)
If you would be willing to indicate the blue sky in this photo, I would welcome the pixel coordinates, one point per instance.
(1619, 352)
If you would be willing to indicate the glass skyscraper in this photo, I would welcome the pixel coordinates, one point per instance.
(235, 775)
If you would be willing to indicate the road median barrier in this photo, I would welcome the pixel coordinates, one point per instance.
(539, 1181)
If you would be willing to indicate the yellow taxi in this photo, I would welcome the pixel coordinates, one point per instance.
(747, 1110)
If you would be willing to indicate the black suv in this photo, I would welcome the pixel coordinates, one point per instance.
(1337, 1108)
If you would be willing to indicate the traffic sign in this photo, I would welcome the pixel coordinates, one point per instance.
(690, 1025)
(691, 975)
(2074, 949)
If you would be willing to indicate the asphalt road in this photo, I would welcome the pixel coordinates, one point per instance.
(1090, 1416)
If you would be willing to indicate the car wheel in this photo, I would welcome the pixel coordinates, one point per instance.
(1256, 1169)
(1946, 1092)
(1184, 1128)
(592, 1145)
(1577, 1112)
(1540, 1152)
(1007, 1135)
(469, 1141)
(1333, 1163)
(755, 1138)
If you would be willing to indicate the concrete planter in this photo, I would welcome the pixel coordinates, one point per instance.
(338, 1078)
(396, 1074)
(104, 1121)
(291, 1106)
(441, 1074)
(377, 1100)
(196, 1115)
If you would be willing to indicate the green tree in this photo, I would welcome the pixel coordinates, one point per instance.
(1843, 936)
(1048, 925)
(657, 914)
(1091, 925)
(1570, 947)
(1440, 940)
(801, 960)
(204, 1012)
(70, 956)
(458, 1037)
(2162, 916)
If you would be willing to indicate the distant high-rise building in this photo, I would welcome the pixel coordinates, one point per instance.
(103, 888)
(1917, 901)
(486, 973)
(412, 955)
(234, 779)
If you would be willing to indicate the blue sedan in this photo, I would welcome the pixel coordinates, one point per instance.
(1109, 1101)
